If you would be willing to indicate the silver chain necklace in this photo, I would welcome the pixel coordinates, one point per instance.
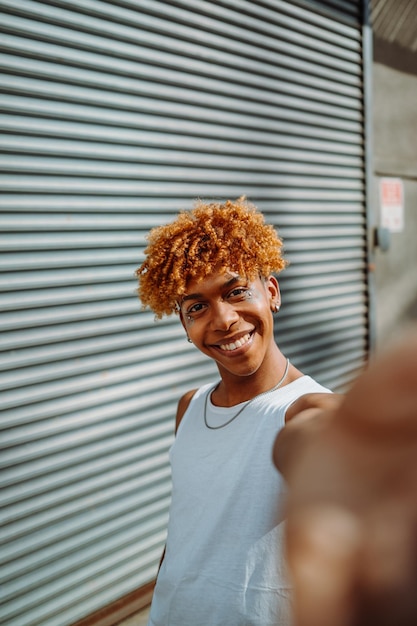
(284, 376)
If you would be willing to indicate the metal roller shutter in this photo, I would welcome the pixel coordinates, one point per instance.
(114, 115)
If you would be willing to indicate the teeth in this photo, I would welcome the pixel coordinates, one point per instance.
(228, 347)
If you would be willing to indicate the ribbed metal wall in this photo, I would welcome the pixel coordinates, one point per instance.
(395, 21)
(113, 117)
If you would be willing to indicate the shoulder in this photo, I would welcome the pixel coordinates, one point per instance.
(317, 400)
(309, 394)
(183, 405)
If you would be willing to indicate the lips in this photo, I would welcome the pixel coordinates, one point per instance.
(234, 345)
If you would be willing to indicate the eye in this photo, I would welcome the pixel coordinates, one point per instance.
(195, 308)
(240, 293)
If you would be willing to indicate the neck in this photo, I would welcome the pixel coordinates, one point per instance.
(234, 389)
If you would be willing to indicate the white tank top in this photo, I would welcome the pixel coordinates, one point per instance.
(224, 564)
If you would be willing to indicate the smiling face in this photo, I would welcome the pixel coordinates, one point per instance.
(230, 320)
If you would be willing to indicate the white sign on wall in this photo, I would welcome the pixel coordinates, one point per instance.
(392, 204)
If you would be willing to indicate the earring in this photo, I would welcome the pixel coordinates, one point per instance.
(189, 340)
(276, 308)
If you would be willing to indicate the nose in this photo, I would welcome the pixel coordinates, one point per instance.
(223, 315)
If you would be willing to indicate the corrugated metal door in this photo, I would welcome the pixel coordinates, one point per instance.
(114, 116)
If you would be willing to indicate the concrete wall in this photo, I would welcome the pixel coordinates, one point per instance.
(395, 155)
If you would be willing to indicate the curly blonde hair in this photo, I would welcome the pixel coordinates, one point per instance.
(210, 238)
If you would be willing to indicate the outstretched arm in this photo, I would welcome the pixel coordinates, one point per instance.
(352, 505)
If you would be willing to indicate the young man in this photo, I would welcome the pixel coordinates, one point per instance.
(215, 266)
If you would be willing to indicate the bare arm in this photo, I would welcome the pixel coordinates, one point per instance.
(352, 505)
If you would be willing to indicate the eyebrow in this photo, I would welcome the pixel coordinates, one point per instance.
(198, 296)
